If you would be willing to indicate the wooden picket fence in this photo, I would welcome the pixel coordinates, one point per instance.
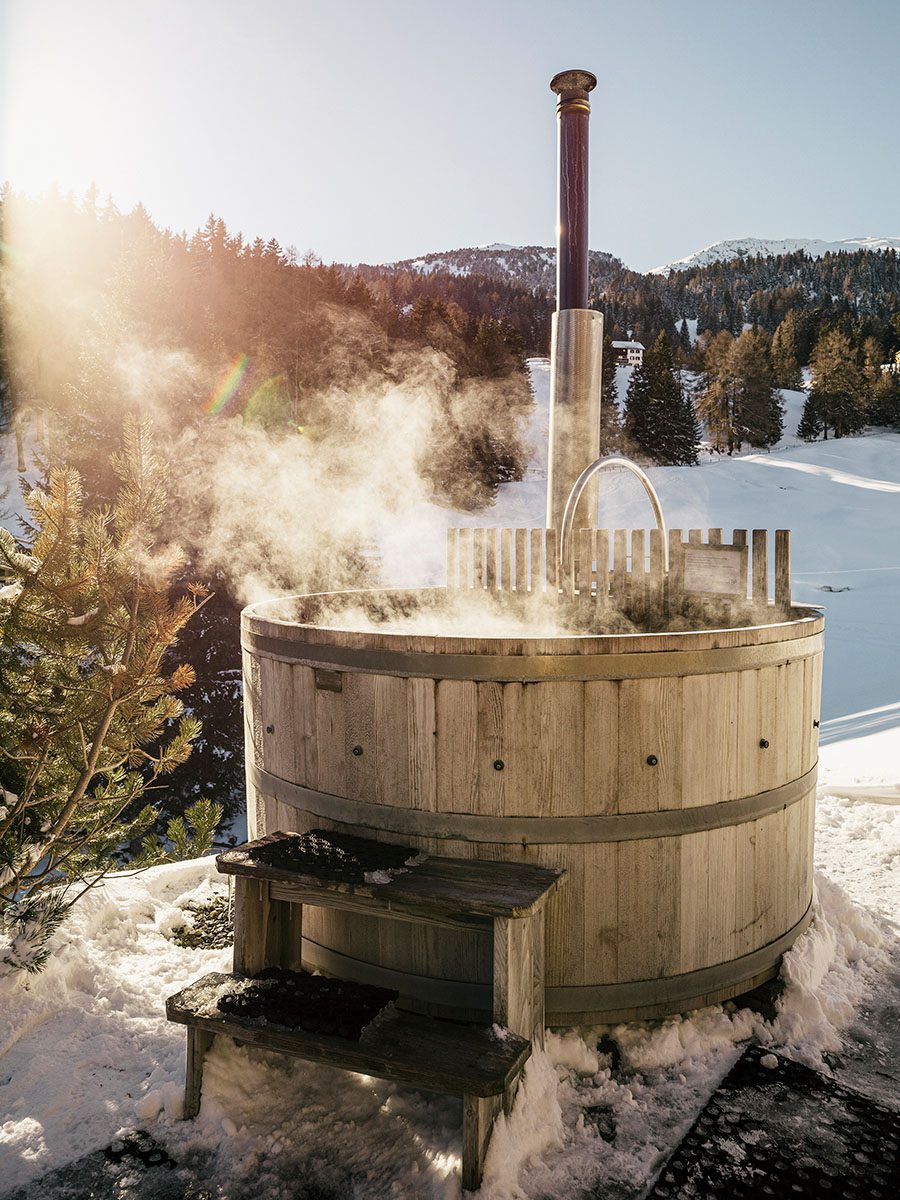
(622, 566)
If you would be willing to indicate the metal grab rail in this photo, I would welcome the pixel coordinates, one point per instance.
(602, 464)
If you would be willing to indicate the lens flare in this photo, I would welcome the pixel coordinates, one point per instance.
(228, 385)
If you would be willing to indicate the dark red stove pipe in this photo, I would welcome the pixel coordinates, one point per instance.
(574, 110)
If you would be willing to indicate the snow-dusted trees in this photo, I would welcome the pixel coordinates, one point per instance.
(659, 414)
(90, 717)
(836, 397)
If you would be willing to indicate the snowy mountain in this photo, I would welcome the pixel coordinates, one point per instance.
(767, 247)
(531, 266)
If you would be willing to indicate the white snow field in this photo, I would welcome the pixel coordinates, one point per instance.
(750, 247)
(86, 1050)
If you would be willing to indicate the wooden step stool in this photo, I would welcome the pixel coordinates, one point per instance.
(276, 876)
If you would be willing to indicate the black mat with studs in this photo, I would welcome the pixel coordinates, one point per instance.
(783, 1131)
(299, 1000)
(337, 856)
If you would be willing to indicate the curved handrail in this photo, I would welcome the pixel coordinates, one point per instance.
(602, 464)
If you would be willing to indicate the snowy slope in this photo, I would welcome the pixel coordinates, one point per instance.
(766, 247)
(530, 266)
(86, 1049)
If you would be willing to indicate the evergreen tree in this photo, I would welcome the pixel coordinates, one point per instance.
(610, 420)
(758, 416)
(85, 625)
(719, 393)
(659, 415)
(785, 353)
(685, 351)
(837, 392)
(884, 401)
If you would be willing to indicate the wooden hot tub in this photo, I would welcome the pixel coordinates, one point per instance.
(671, 774)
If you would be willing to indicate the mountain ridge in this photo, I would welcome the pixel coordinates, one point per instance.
(750, 247)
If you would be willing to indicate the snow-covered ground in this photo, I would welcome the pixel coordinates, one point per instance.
(86, 1049)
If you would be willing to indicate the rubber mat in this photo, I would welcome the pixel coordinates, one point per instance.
(774, 1128)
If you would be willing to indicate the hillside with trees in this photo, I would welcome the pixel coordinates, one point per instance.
(237, 352)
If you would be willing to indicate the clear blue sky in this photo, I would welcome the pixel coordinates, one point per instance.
(371, 130)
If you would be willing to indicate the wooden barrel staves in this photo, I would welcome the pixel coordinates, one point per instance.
(672, 775)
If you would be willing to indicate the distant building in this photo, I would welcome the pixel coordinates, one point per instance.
(629, 354)
(893, 368)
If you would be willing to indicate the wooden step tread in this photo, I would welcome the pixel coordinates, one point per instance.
(441, 1055)
(392, 877)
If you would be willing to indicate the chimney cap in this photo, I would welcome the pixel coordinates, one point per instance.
(569, 82)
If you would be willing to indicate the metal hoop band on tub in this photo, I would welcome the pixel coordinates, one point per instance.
(609, 997)
(474, 827)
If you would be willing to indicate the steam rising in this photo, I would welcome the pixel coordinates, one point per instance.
(307, 511)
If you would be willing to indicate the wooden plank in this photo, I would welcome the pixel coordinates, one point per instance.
(465, 558)
(792, 734)
(492, 567)
(331, 741)
(452, 558)
(537, 575)
(601, 745)
(650, 727)
(620, 566)
(421, 739)
(638, 580)
(565, 917)
(657, 575)
(739, 539)
(476, 887)
(675, 589)
(267, 933)
(198, 1042)
(479, 1115)
(277, 696)
(694, 911)
(251, 911)
(600, 907)
(782, 568)
(363, 910)
(714, 537)
(359, 752)
(746, 920)
(538, 923)
(490, 750)
(391, 736)
(760, 588)
(709, 739)
(584, 562)
(721, 917)
(695, 537)
(444, 1056)
(514, 976)
(812, 687)
(554, 715)
(649, 908)
(306, 756)
(550, 563)
(520, 569)
(456, 723)
(478, 557)
(507, 574)
(601, 554)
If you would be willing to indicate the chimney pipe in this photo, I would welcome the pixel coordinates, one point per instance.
(577, 338)
(574, 111)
